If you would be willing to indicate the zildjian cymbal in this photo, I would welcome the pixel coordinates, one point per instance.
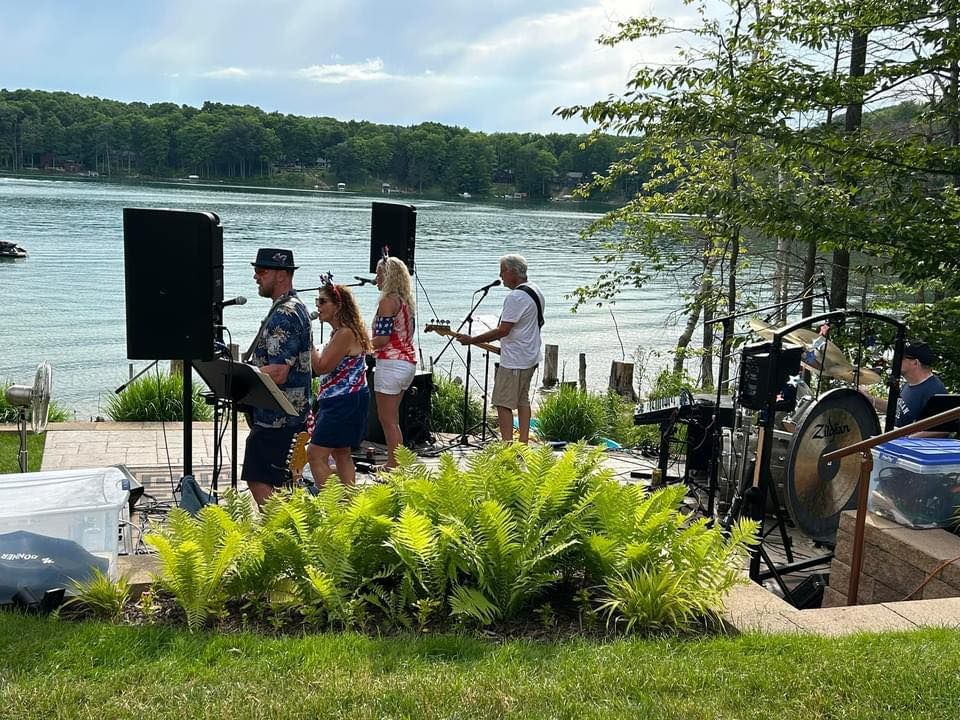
(816, 491)
(829, 360)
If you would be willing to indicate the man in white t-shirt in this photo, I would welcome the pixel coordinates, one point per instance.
(520, 347)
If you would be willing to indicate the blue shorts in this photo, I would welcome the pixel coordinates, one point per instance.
(341, 421)
(265, 456)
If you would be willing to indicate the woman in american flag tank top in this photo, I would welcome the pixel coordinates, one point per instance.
(343, 399)
(393, 329)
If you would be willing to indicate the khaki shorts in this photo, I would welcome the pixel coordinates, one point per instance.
(511, 388)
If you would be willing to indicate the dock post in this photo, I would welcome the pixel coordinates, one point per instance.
(550, 360)
(583, 372)
(621, 379)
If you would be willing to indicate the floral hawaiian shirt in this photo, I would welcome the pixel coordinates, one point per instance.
(287, 339)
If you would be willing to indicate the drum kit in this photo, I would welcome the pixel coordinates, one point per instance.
(814, 493)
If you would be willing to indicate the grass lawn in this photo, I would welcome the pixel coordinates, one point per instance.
(52, 669)
(10, 447)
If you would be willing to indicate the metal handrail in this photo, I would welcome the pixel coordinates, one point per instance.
(866, 467)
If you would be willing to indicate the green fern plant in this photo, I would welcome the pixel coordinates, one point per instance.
(197, 558)
(657, 567)
(99, 596)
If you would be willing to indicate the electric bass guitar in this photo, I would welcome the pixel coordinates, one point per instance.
(297, 458)
(442, 327)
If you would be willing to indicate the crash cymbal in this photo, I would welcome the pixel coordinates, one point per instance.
(817, 492)
(845, 371)
(832, 359)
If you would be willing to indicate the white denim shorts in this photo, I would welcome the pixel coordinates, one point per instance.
(393, 377)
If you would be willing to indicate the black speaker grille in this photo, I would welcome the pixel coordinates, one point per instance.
(393, 226)
(173, 283)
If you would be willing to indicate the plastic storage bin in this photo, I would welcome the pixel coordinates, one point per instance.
(916, 481)
(79, 505)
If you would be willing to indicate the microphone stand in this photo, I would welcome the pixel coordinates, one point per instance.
(463, 439)
(124, 386)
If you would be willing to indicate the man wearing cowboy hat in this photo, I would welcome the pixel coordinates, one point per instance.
(282, 351)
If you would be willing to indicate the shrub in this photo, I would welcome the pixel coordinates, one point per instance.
(512, 532)
(572, 415)
(9, 413)
(446, 409)
(155, 398)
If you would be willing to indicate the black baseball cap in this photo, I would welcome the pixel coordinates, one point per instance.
(919, 350)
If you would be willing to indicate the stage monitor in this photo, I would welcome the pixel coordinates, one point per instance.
(393, 226)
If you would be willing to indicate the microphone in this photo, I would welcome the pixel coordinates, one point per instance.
(314, 315)
(364, 281)
(238, 300)
(487, 286)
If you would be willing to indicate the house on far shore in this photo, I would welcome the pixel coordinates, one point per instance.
(341, 187)
(384, 188)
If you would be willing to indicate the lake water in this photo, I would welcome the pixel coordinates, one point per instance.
(65, 304)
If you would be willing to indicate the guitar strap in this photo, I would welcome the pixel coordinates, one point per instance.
(536, 301)
(249, 351)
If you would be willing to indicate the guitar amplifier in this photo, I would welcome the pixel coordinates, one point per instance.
(415, 409)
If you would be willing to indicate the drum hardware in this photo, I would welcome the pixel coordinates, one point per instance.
(752, 466)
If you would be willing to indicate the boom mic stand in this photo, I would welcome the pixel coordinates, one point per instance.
(464, 439)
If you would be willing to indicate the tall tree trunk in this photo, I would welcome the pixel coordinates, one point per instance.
(840, 277)
(693, 319)
(809, 268)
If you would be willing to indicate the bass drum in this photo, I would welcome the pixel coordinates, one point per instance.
(739, 458)
(817, 492)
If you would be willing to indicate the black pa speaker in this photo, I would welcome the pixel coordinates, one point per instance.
(763, 379)
(393, 226)
(173, 279)
(414, 411)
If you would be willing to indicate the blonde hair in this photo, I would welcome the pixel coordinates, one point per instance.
(348, 313)
(396, 281)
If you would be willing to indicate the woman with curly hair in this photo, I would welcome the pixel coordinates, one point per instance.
(393, 328)
(343, 399)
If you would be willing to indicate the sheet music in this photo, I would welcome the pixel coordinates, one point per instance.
(276, 392)
(482, 323)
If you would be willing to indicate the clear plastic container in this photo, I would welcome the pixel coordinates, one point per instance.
(916, 481)
(79, 505)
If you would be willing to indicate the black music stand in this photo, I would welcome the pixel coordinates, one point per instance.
(236, 384)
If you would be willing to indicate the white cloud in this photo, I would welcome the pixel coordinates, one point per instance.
(338, 73)
(228, 73)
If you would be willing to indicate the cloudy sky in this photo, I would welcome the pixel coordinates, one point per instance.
(490, 65)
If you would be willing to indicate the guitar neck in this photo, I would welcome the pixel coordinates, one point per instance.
(447, 332)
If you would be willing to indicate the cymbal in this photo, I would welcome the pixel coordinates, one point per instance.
(828, 359)
(816, 491)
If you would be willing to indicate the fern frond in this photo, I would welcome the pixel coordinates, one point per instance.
(472, 603)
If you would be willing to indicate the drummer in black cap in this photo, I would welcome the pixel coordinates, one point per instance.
(282, 350)
(921, 383)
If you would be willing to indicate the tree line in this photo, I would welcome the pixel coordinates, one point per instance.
(41, 129)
